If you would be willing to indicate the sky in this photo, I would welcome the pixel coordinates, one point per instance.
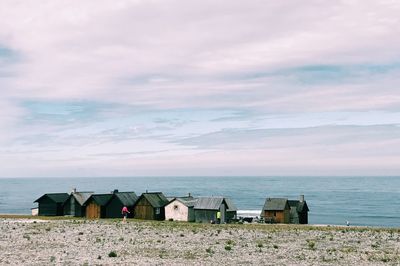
(199, 88)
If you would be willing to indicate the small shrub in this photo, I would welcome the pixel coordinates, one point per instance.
(121, 239)
(260, 245)
(48, 229)
(80, 233)
(311, 245)
(182, 235)
(209, 250)
(52, 259)
(112, 254)
(230, 242)
(275, 246)
(99, 257)
(171, 219)
(228, 247)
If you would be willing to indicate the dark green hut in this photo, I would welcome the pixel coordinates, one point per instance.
(51, 204)
(298, 211)
(118, 201)
(206, 209)
(74, 205)
(150, 206)
(96, 205)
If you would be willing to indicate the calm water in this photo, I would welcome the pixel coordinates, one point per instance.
(373, 201)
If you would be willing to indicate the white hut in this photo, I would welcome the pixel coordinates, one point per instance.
(180, 209)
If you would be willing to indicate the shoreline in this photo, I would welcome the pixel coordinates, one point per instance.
(27, 216)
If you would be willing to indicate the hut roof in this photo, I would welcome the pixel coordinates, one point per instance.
(231, 205)
(208, 203)
(275, 204)
(301, 206)
(81, 197)
(56, 197)
(214, 203)
(127, 198)
(100, 199)
(187, 202)
(156, 199)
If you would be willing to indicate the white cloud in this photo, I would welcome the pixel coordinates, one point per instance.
(159, 55)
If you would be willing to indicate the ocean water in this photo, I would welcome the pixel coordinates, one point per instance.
(370, 201)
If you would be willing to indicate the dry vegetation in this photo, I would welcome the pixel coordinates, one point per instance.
(104, 242)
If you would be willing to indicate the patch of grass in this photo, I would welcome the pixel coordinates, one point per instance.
(311, 244)
(27, 237)
(228, 247)
(209, 250)
(275, 246)
(121, 239)
(112, 254)
(189, 255)
(181, 235)
(99, 257)
(260, 245)
(52, 259)
(230, 242)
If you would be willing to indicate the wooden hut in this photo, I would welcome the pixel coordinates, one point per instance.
(96, 205)
(180, 209)
(51, 204)
(298, 211)
(74, 205)
(118, 201)
(276, 210)
(150, 206)
(206, 209)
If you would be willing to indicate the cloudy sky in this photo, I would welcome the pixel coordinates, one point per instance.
(133, 88)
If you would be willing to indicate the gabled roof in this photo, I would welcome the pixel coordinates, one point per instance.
(99, 199)
(81, 197)
(301, 206)
(56, 197)
(156, 199)
(209, 203)
(188, 203)
(127, 198)
(275, 204)
(231, 205)
(187, 198)
(214, 203)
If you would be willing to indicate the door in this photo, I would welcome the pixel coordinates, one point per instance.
(93, 211)
(222, 209)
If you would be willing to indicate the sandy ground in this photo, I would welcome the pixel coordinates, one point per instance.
(81, 242)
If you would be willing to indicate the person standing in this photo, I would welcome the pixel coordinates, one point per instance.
(124, 212)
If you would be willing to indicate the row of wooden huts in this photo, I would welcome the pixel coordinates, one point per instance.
(156, 206)
(148, 206)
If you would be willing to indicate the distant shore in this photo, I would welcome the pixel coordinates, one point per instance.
(71, 241)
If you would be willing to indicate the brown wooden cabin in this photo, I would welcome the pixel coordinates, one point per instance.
(298, 211)
(150, 206)
(276, 210)
(96, 205)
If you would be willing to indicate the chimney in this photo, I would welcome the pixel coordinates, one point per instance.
(73, 190)
(189, 194)
(115, 191)
(147, 191)
(301, 198)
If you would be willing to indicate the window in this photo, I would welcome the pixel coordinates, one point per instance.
(275, 214)
(158, 210)
(176, 207)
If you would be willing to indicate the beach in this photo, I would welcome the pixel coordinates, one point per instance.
(69, 241)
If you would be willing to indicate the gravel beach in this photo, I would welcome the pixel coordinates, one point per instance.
(109, 242)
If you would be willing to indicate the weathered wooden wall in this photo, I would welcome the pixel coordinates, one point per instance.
(93, 211)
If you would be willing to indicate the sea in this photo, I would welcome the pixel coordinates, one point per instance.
(362, 201)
